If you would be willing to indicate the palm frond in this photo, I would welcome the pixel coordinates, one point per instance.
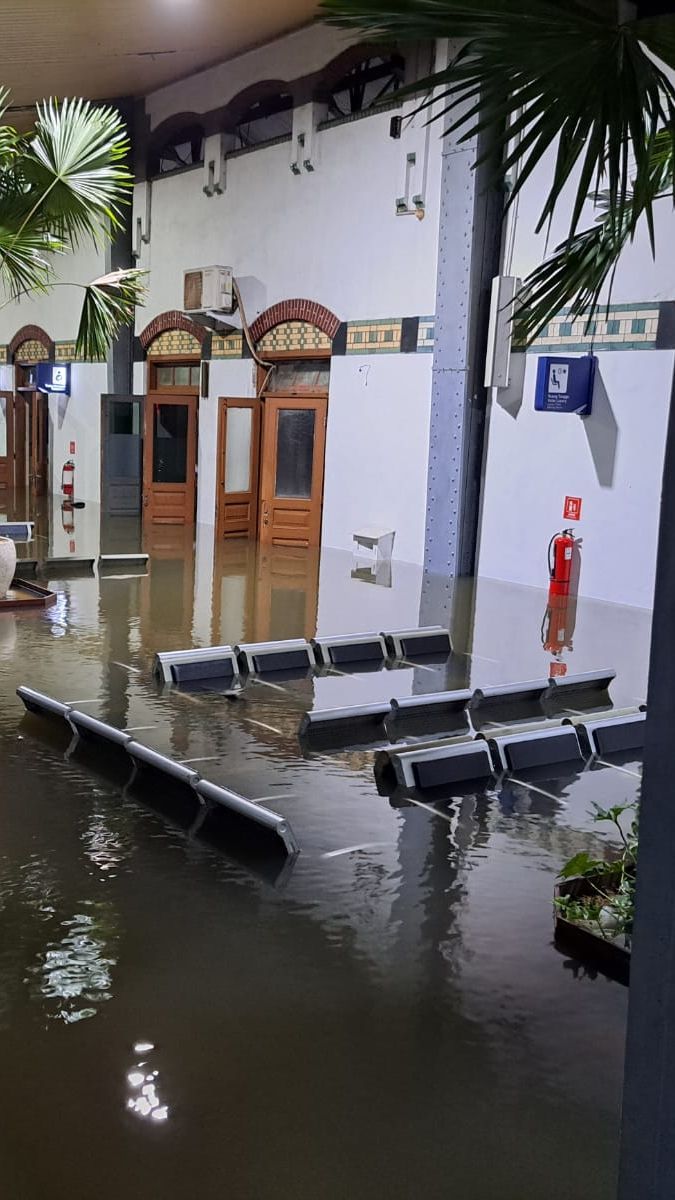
(24, 260)
(561, 75)
(109, 304)
(542, 76)
(577, 272)
(74, 164)
(10, 140)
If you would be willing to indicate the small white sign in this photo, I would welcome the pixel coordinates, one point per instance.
(558, 374)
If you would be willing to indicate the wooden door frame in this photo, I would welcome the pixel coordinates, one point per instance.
(253, 403)
(319, 403)
(171, 360)
(188, 396)
(8, 397)
(154, 394)
(32, 400)
(317, 396)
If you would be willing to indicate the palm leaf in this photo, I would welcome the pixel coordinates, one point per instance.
(109, 304)
(568, 74)
(75, 167)
(580, 267)
(541, 76)
(24, 260)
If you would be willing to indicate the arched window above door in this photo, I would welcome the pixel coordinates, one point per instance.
(176, 144)
(361, 84)
(261, 114)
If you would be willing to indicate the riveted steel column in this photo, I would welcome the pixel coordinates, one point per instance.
(469, 255)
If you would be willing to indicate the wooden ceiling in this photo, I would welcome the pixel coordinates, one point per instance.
(103, 49)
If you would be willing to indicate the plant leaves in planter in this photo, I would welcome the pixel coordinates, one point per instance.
(582, 864)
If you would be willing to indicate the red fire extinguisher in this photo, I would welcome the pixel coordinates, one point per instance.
(557, 629)
(68, 479)
(560, 553)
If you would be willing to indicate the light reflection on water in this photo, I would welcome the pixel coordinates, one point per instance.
(144, 1098)
(78, 967)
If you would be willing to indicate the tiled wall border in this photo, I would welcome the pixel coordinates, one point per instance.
(638, 326)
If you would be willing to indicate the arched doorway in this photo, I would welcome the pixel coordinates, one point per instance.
(27, 414)
(173, 348)
(271, 447)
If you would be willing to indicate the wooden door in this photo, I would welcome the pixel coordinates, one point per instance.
(121, 454)
(291, 489)
(238, 458)
(6, 441)
(170, 459)
(38, 424)
(20, 441)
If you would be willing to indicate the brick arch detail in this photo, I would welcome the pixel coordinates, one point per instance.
(295, 310)
(167, 321)
(31, 333)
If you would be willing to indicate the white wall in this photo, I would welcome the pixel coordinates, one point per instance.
(377, 449)
(77, 418)
(612, 459)
(332, 236)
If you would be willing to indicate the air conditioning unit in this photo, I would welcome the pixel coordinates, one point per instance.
(208, 289)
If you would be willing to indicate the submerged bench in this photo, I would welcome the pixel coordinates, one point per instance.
(418, 643)
(613, 735)
(173, 787)
(181, 666)
(350, 649)
(260, 658)
(440, 765)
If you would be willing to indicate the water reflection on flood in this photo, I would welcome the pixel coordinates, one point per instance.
(386, 1016)
(76, 970)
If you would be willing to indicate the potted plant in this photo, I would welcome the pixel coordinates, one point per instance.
(595, 899)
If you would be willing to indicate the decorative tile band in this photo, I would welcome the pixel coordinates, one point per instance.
(638, 326)
(231, 346)
(174, 342)
(293, 336)
(374, 337)
(31, 351)
(622, 327)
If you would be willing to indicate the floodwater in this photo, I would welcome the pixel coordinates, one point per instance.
(387, 1016)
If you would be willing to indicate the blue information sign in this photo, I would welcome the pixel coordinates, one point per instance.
(53, 377)
(565, 385)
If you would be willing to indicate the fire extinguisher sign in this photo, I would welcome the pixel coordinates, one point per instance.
(572, 508)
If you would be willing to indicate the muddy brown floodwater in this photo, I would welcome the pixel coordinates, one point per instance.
(387, 1016)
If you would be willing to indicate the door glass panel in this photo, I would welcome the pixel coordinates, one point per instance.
(238, 425)
(181, 377)
(165, 377)
(123, 445)
(121, 418)
(3, 427)
(169, 451)
(310, 374)
(295, 453)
